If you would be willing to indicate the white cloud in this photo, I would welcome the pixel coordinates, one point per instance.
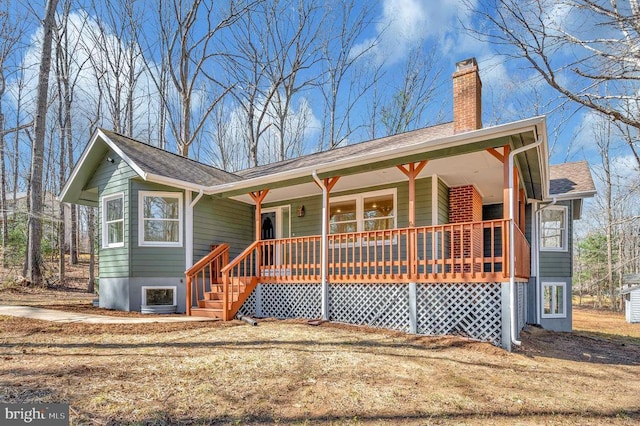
(406, 23)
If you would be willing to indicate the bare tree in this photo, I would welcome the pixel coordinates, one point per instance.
(418, 88)
(9, 36)
(586, 50)
(187, 31)
(112, 48)
(34, 260)
(292, 32)
(610, 248)
(341, 55)
(251, 84)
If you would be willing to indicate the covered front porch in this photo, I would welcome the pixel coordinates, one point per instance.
(377, 251)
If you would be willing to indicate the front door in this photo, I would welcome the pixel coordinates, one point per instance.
(275, 225)
(269, 227)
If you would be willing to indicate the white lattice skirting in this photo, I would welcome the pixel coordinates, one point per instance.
(467, 309)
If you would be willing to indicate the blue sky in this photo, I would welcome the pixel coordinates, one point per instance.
(511, 91)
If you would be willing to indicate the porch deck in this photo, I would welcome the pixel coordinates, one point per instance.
(472, 252)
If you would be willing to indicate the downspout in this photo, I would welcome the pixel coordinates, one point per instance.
(324, 249)
(537, 254)
(189, 225)
(512, 255)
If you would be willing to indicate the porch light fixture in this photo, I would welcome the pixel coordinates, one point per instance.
(110, 159)
(301, 210)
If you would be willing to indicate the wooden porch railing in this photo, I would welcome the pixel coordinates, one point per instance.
(461, 252)
(233, 273)
(205, 274)
(523, 254)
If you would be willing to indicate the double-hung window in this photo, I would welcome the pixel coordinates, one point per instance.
(113, 220)
(553, 228)
(160, 219)
(371, 211)
(554, 300)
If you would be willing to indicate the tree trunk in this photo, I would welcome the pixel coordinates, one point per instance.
(34, 258)
(60, 74)
(3, 196)
(92, 251)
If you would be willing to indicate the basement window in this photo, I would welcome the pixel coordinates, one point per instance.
(159, 296)
(554, 300)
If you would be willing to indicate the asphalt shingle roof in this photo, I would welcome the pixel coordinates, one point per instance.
(163, 163)
(372, 146)
(570, 178)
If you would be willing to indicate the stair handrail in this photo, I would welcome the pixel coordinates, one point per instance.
(226, 279)
(208, 260)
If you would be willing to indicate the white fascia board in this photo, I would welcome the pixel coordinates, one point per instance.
(174, 182)
(474, 136)
(78, 166)
(572, 196)
(98, 134)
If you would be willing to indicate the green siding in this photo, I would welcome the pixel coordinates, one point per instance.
(424, 190)
(153, 261)
(443, 203)
(216, 221)
(559, 263)
(311, 223)
(111, 178)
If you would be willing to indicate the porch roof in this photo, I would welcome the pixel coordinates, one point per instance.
(370, 160)
(382, 155)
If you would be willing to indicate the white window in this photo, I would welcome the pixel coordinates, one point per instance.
(553, 229)
(371, 211)
(554, 300)
(157, 296)
(113, 220)
(160, 216)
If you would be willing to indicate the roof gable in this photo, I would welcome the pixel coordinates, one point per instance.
(150, 163)
(571, 180)
(149, 160)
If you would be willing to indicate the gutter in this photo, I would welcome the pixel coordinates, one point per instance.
(189, 226)
(512, 255)
(451, 141)
(324, 247)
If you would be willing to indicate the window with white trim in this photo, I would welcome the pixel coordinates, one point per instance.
(553, 228)
(554, 300)
(371, 211)
(113, 220)
(160, 219)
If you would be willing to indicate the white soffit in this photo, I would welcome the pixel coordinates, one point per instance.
(479, 168)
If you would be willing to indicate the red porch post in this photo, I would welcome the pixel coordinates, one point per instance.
(258, 197)
(413, 171)
(326, 186)
(328, 183)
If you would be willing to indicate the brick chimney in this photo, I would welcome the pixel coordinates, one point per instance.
(467, 97)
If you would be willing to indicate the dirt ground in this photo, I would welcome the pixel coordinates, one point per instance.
(288, 372)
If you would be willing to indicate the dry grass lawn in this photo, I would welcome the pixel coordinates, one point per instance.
(289, 372)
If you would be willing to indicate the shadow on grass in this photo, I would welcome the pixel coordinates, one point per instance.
(466, 417)
(580, 346)
(598, 348)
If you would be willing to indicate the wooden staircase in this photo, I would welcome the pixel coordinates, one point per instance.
(212, 304)
(221, 287)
